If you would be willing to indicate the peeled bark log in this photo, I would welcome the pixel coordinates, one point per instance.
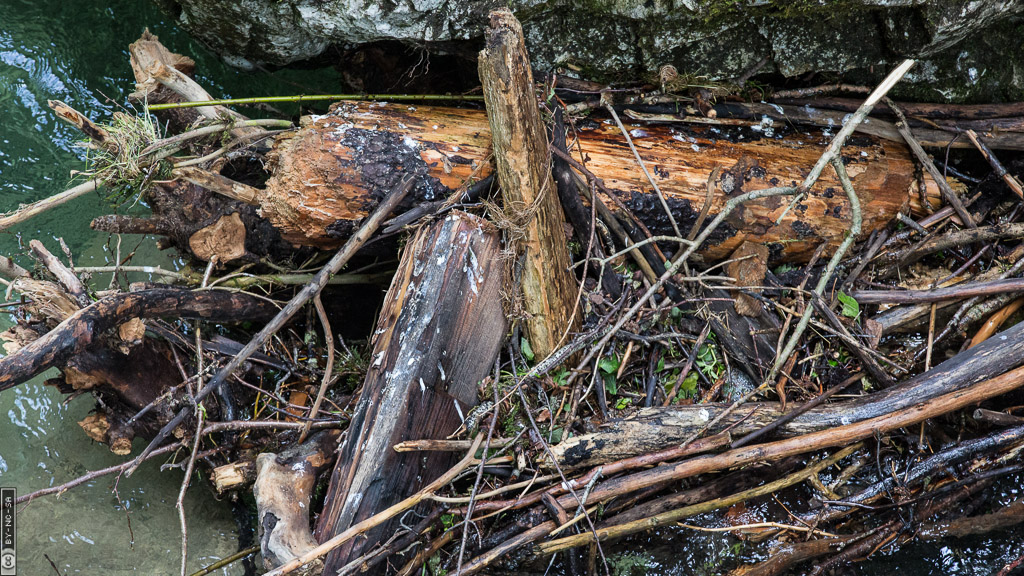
(337, 166)
(438, 335)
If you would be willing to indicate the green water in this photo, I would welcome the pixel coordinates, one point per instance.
(77, 52)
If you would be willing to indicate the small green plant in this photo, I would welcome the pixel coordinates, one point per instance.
(709, 362)
(448, 521)
(850, 306)
(560, 377)
(687, 388)
(630, 563)
(122, 167)
(609, 366)
(433, 567)
(352, 362)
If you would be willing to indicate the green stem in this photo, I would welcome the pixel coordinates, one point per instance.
(315, 98)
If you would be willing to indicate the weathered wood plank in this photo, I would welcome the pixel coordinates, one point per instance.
(437, 337)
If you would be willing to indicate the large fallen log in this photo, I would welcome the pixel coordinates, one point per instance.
(438, 335)
(338, 165)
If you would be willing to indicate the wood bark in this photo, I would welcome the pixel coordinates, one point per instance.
(437, 337)
(531, 204)
(653, 429)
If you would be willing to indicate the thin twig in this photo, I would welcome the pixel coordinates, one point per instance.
(1001, 172)
(834, 148)
(947, 191)
(329, 338)
(479, 472)
(640, 161)
(25, 212)
(939, 294)
(180, 504)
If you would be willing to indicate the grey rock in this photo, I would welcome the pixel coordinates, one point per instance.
(968, 49)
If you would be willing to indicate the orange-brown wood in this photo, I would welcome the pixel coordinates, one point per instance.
(335, 168)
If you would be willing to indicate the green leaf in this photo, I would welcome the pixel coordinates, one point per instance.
(561, 376)
(622, 404)
(688, 388)
(609, 364)
(524, 347)
(851, 309)
(448, 520)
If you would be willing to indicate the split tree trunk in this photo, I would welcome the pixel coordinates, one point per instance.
(438, 335)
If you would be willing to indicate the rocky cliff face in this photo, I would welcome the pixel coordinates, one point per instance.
(969, 50)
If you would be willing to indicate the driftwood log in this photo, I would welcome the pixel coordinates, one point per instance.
(283, 490)
(438, 336)
(88, 325)
(654, 429)
(126, 369)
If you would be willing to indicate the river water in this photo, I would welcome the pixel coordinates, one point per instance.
(77, 52)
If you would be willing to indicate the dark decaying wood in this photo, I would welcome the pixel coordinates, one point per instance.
(88, 325)
(520, 146)
(283, 490)
(125, 382)
(437, 337)
(652, 429)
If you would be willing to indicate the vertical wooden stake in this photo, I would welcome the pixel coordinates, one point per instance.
(524, 173)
